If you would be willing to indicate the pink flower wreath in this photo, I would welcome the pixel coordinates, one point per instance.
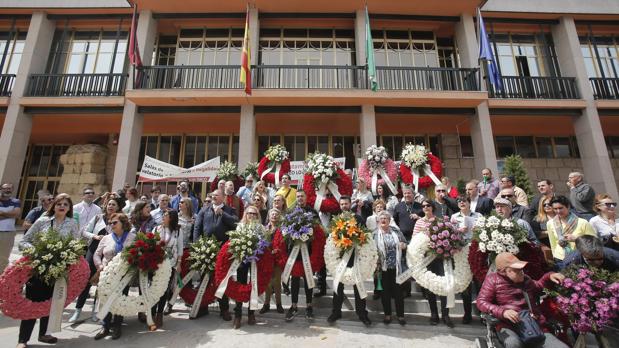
(12, 301)
(390, 169)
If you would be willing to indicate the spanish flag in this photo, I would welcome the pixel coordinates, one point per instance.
(246, 58)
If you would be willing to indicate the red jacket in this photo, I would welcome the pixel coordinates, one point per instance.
(499, 293)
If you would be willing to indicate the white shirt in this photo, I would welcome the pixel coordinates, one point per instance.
(84, 212)
(603, 228)
(474, 203)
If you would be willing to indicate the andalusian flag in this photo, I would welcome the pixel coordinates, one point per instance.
(369, 53)
(246, 58)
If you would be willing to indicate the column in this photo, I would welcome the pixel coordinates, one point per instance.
(247, 136)
(481, 126)
(127, 157)
(593, 152)
(367, 127)
(360, 37)
(17, 124)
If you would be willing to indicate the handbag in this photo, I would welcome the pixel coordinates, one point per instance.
(528, 329)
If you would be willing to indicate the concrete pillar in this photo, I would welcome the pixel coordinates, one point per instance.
(367, 127)
(593, 152)
(127, 156)
(481, 127)
(254, 34)
(17, 124)
(247, 136)
(360, 36)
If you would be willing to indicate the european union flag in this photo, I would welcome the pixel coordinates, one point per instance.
(485, 53)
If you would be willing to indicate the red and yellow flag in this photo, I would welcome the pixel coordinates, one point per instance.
(246, 58)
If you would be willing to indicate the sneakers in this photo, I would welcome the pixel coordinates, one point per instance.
(309, 313)
(76, 315)
(292, 311)
(334, 317)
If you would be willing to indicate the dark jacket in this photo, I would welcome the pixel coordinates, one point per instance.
(522, 212)
(582, 197)
(448, 208)
(207, 223)
(484, 206)
(498, 294)
(611, 260)
(401, 216)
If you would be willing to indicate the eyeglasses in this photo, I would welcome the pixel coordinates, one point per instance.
(251, 213)
(610, 204)
(440, 191)
(113, 223)
(547, 205)
(426, 206)
(507, 196)
(89, 193)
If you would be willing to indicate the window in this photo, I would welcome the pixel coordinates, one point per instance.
(536, 147)
(88, 52)
(13, 45)
(612, 142)
(407, 48)
(466, 146)
(525, 55)
(394, 143)
(203, 46)
(601, 59)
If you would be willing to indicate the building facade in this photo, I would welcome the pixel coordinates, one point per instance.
(74, 112)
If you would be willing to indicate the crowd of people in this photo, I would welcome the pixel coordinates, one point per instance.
(581, 228)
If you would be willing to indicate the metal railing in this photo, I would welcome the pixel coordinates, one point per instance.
(6, 84)
(437, 79)
(188, 77)
(310, 76)
(76, 85)
(605, 88)
(535, 87)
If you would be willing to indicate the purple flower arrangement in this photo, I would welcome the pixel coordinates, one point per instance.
(446, 239)
(297, 226)
(589, 297)
(263, 244)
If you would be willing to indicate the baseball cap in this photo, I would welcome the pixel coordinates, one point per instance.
(504, 260)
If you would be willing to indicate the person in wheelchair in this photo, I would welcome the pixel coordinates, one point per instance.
(502, 296)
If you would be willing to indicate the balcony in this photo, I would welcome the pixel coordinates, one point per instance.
(306, 77)
(529, 87)
(76, 85)
(6, 84)
(605, 88)
(423, 79)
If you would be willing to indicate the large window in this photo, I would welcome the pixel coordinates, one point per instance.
(601, 56)
(536, 147)
(208, 47)
(407, 48)
(395, 143)
(299, 146)
(612, 144)
(307, 47)
(525, 55)
(11, 49)
(88, 52)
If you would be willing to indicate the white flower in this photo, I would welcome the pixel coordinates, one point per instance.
(506, 223)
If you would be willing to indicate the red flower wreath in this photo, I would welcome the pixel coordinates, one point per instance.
(12, 301)
(330, 204)
(406, 174)
(238, 182)
(317, 259)
(270, 177)
(188, 293)
(235, 290)
(535, 268)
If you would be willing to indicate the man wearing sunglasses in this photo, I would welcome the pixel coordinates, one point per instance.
(45, 200)
(518, 211)
(86, 210)
(520, 195)
(445, 205)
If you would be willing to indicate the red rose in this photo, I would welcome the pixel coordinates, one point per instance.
(150, 236)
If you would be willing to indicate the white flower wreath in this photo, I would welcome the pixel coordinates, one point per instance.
(130, 305)
(415, 254)
(368, 256)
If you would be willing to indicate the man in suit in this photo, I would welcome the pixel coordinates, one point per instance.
(216, 220)
(479, 204)
(232, 200)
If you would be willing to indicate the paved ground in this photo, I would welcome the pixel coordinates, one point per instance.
(272, 330)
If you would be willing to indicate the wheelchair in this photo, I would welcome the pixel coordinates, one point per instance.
(493, 340)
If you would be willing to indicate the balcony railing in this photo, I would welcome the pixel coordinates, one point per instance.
(437, 79)
(189, 77)
(76, 85)
(529, 87)
(605, 88)
(6, 84)
(310, 76)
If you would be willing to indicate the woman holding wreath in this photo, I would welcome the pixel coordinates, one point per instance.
(275, 285)
(110, 245)
(436, 266)
(59, 217)
(99, 227)
(390, 243)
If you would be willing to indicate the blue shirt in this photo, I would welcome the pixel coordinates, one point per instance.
(8, 224)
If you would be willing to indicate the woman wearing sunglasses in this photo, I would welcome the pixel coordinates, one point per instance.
(545, 213)
(605, 223)
(59, 217)
(110, 245)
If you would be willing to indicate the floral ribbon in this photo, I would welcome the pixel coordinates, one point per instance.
(195, 306)
(383, 174)
(253, 296)
(221, 290)
(322, 192)
(341, 268)
(357, 277)
(404, 276)
(277, 168)
(449, 278)
(59, 297)
(307, 266)
(178, 287)
(428, 171)
(147, 297)
(104, 308)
